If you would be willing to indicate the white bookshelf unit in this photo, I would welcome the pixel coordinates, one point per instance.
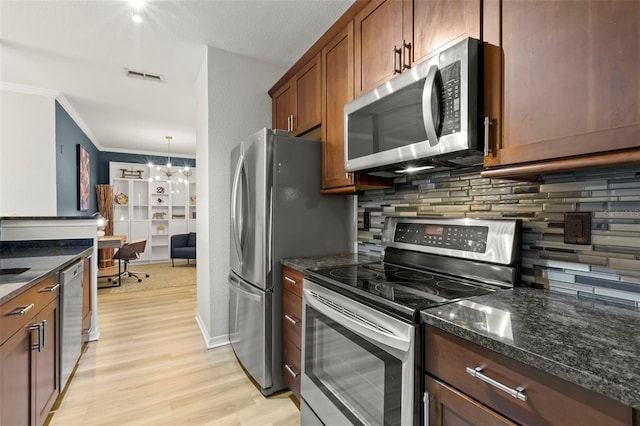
(148, 205)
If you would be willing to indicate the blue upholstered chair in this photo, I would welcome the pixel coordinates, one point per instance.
(183, 246)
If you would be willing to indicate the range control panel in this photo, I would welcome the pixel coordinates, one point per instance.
(456, 237)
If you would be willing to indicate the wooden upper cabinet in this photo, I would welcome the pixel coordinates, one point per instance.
(393, 35)
(337, 90)
(439, 24)
(296, 106)
(570, 89)
(307, 86)
(337, 63)
(379, 33)
(281, 106)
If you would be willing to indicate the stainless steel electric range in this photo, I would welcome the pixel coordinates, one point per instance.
(362, 339)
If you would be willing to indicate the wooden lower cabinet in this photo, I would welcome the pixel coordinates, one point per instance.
(29, 373)
(292, 328)
(292, 367)
(47, 374)
(549, 399)
(448, 406)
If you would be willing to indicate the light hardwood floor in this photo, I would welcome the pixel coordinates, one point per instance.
(151, 367)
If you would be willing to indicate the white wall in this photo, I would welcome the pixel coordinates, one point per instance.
(27, 154)
(237, 105)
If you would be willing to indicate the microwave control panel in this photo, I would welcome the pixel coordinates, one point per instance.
(451, 116)
(456, 237)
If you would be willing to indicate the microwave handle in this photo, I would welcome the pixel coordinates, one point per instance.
(427, 113)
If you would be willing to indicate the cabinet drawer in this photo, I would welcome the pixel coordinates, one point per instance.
(291, 368)
(292, 281)
(39, 295)
(550, 400)
(292, 318)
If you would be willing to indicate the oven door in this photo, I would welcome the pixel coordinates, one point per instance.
(357, 363)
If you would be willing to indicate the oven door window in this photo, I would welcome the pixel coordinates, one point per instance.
(363, 381)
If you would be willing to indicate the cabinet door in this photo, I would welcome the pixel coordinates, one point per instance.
(447, 407)
(570, 82)
(378, 33)
(46, 361)
(16, 376)
(307, 108)
(282, 108)
(337, 63)
(438, 24)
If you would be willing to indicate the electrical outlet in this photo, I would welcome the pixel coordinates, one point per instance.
(577, 228)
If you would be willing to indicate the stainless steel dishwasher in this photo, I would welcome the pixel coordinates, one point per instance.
(70, 280)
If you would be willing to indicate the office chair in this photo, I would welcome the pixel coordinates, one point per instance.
(130, 251)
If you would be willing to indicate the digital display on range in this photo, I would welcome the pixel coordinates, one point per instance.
(434, 230)
(456, 237)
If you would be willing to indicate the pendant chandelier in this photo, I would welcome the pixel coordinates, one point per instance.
(168, 172)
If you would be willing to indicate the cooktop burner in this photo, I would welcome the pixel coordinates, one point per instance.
(411, 289)
(353, 274)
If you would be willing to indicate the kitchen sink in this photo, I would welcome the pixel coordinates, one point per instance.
(13, 271)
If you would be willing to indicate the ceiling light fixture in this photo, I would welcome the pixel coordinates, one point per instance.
(169, 173)
(137, 13)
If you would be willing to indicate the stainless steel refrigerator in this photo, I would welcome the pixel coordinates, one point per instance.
(276, 212)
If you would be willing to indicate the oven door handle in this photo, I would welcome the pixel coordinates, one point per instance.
(374, 329)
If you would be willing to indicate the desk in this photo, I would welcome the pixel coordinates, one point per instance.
(112, 241)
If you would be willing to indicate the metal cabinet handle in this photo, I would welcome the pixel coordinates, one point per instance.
(394, 55)
(426, 401)
(291, 370)
(406, 53)
(50, 289)
(44, 334)
(291, 319)
(291, 280)
(41, 329)
(517, 393)
(20, 310)
(487, 147)
(293, 126)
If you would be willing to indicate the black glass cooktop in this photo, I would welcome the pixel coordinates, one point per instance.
(403, 290)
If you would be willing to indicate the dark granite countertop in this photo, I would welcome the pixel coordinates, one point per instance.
(302, 263)
(40, 258)
(591, 344)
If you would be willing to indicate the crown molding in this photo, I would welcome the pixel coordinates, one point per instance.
(59, 96)
(64, 102)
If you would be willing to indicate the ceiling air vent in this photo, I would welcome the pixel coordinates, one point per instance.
(144, 75)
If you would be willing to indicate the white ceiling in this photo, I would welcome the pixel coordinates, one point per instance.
(81, 49)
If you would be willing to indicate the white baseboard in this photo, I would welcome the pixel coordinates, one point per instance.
(211, 342)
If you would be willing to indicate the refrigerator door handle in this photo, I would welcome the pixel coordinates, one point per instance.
(243, 214)
(234, 212)
(236, 285)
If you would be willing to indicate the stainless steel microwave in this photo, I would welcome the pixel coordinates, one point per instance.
(427, 117)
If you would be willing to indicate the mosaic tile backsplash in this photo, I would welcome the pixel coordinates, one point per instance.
(608, 268)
